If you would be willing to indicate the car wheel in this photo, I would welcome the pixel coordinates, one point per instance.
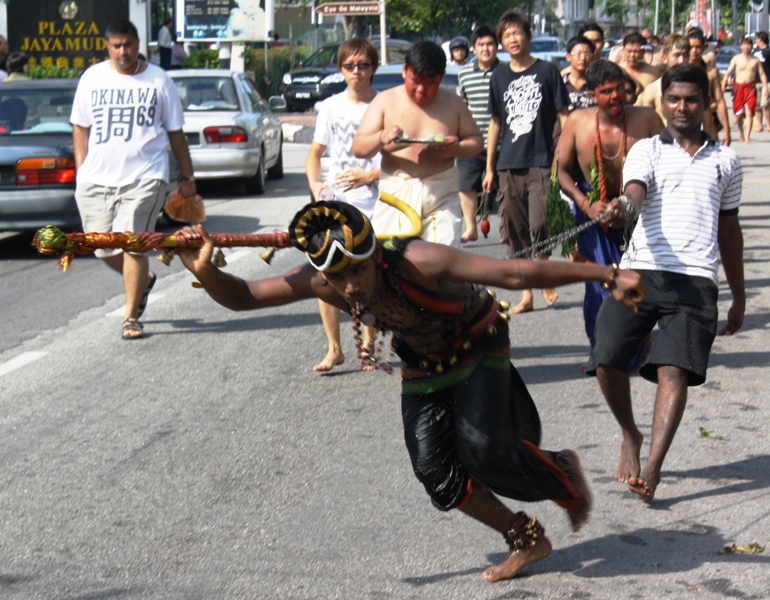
(256, 185)
(276, 171)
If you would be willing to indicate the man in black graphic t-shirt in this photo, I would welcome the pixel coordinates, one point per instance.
(525, 101)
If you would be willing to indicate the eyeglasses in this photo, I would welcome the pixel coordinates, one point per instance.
(582, 54)
(362, 66)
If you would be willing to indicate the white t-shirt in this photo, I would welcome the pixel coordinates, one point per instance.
(164, 38)
(129, 116)
(336, 125)
(679, 222)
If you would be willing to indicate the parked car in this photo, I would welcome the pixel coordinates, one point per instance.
(230, 129)
(317, 77)
(37, 166)
(723, 58)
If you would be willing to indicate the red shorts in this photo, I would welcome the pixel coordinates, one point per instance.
(744, 96)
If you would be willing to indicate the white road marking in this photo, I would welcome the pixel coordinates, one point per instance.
(19, 361)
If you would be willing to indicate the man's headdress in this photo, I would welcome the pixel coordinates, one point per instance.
(333, 235)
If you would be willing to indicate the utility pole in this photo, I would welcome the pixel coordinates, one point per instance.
(765, 17)
(735, 22)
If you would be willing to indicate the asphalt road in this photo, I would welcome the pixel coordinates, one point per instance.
(209, 461)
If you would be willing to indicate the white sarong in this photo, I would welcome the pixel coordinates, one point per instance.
(435, 198)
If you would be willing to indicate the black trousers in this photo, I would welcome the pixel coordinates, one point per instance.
(165, 58)
(478, 428)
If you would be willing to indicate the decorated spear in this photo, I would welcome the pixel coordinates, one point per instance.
(51, 240)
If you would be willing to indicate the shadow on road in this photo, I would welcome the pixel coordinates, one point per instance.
(745, 475)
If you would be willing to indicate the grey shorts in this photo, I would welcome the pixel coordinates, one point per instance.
(133, 207)
(685, 310)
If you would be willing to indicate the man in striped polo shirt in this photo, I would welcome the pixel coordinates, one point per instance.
(474, 89)
(686, 189)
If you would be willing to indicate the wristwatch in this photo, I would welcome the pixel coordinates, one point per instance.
(190, 179)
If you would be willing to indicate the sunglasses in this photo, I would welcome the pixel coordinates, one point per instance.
(362, 66)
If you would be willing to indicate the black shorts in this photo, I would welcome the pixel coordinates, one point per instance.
(685, 310)
(472, 171)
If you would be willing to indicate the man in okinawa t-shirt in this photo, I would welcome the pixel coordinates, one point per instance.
(525, 101)
(125, 116)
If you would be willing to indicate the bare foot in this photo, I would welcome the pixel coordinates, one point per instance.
(644, 486)
(741, 138)
(749, 141)
(331, 360)
(628, 465)
(550, 295)
(517, 560)
(578, 514)
(471, 234)
(522, 307)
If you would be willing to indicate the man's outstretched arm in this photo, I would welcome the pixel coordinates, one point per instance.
(237, 294)
(434, 261)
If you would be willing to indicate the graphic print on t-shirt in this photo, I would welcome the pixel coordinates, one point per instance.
(116, 111)
(522, 103)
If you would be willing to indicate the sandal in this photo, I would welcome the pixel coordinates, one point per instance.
(132, 325)
(146, 295)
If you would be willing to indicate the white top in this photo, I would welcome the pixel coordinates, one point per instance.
(164, 37)
(679, 222)
(336, 125)
(129, 116)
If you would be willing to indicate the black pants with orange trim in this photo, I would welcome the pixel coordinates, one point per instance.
(486, 427)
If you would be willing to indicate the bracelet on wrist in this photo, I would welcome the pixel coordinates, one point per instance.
(629, 208)
(611, 284)
(583, 205)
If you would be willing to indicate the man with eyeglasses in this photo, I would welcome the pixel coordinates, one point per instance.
(580, 53)
(420, 129)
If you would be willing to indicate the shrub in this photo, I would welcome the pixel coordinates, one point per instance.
(52, 72)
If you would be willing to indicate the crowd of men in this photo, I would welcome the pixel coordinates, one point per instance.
(665, 193)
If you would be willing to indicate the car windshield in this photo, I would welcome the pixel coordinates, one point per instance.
(206, 93)
(325, 57)
(35, 111)
(544, 46)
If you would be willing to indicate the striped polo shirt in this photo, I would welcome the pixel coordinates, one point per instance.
(679, 222)
(474, 89)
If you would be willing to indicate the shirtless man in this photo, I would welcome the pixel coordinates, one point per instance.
(717, 103)
(619, 127)
(470, 425)
(676, 50)
(634, 64)
(422, 174)
(744, 69)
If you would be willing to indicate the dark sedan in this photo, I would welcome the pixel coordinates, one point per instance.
(37, 167)
(318, 78)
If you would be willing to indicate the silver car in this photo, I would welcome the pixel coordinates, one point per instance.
(230, 129)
